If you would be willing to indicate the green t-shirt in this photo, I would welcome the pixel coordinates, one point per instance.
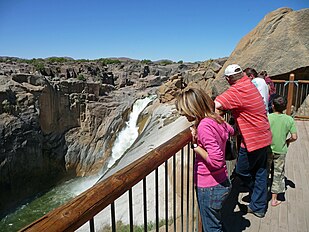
(281, 125)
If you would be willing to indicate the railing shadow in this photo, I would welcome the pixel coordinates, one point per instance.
(234, 221)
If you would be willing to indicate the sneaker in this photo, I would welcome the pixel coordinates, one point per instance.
(247, 209)
(257, 214)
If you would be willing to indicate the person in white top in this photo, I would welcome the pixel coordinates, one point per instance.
(260, 84)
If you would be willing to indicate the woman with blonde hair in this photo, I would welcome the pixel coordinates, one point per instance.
(209, 135)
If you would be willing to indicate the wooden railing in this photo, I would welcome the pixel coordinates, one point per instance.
(297, 94)
(87, 205)
(83, 208)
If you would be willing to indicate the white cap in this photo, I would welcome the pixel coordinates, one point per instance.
(232, 69)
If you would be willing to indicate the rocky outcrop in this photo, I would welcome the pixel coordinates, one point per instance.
(201, 76)
(91, 143)
(278, 44)
(62, 119)
(30, 161)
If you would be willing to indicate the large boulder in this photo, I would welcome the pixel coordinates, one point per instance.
(279, 44)
(201, 75)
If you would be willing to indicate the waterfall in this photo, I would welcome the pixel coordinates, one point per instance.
(126, 136)
(62, 193)
(129, 133)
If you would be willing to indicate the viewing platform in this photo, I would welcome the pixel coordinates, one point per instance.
(168, 169)
(291, 215)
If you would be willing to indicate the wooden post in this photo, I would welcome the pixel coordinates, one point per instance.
(200, 224)
(290, 94)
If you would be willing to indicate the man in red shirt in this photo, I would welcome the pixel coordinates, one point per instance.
(248, 109)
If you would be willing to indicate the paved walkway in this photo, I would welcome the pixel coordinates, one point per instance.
(291, 215)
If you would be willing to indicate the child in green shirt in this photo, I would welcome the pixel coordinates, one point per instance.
(281, 126)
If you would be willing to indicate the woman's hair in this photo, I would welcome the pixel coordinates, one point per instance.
(279, 103)
(195, 103)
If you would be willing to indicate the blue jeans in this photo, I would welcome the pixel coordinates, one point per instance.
(252, 169)
(210, 202)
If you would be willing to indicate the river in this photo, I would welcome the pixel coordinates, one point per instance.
(64, 192)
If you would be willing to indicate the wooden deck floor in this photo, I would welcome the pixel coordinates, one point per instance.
(291, 215)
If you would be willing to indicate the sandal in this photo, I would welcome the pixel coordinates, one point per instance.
(275, 203)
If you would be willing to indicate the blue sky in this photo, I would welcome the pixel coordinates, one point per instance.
(194, 30)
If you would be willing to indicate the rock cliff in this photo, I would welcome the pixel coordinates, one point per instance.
(279, 44)
(59, 117)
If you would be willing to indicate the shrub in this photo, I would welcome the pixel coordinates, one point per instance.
(39, 66)
(109, 61)
(83, 60)
(57, 60)
(166, 62)
(146, 61)
(6, 106)
(81, 77)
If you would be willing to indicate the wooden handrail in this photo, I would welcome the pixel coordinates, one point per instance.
(298, 81)
(279, 81)
(301, 117)
(290, 94)
(84, 207)
(302, 81)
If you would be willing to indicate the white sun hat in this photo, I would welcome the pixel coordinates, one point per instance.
(232, 69)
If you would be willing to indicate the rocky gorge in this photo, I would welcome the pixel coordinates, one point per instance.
(59, 117)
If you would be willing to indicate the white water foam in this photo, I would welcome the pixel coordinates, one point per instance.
(129, 134)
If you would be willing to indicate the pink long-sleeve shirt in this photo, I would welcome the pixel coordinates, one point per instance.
(212, 136)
